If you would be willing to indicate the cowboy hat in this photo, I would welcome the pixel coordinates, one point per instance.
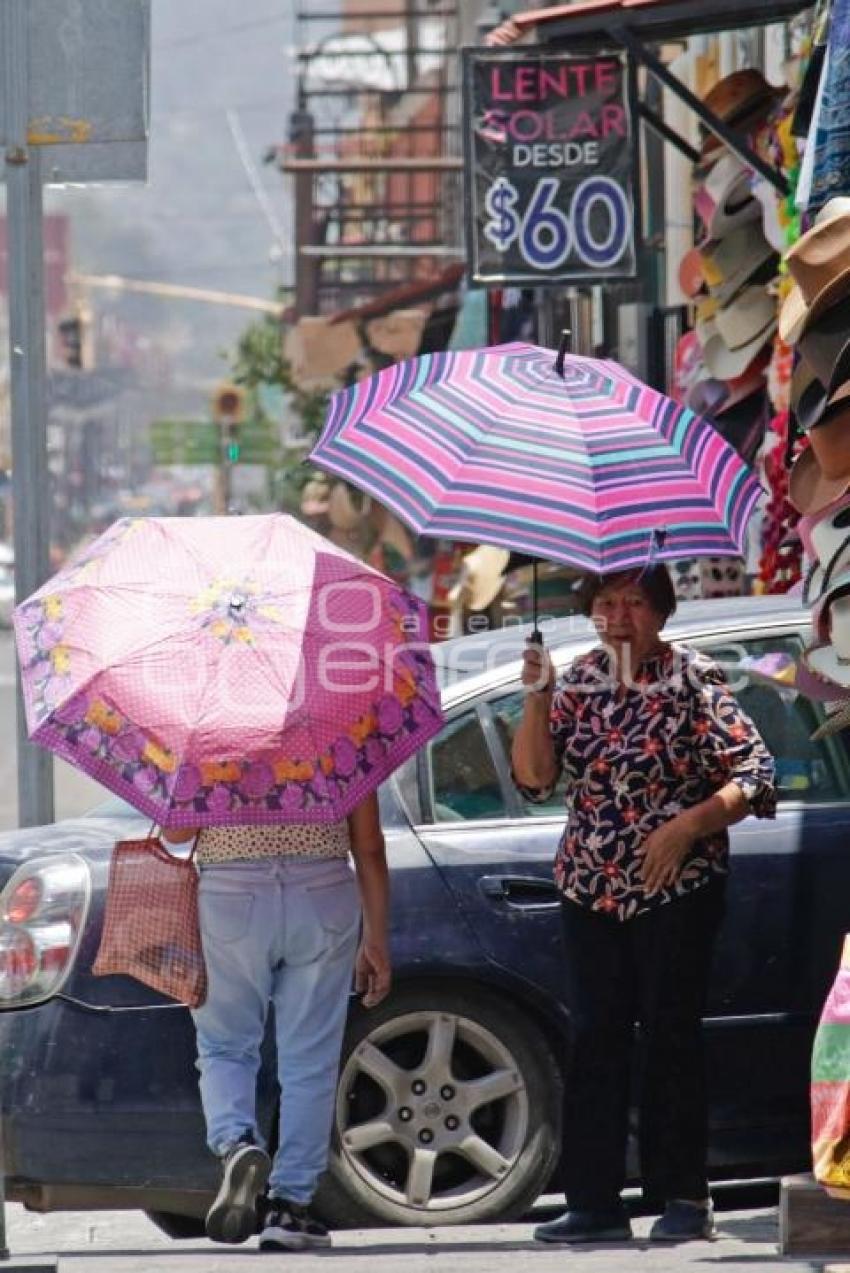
(825, 661)
(730, 263)
(824, 363)
(481, 577)
(741, 100)
(830, 438)
(344, 514)
(738, 332)
(743, 425)
(809, 490)
(826, 541)
(752, 378)
(820, 264)
(707, 396)
(834, 723)
(725, 200)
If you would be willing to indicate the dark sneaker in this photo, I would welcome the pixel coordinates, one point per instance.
(288, 1226)
(579, 1225)
(233, 1215)
(684, 1222)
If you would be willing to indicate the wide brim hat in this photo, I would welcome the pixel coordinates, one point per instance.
(743, 426)
(824, 363)
(742, 100)
(809, 490)
(726, 363)
(819, 263)
(826, 541)
(725, 199)
(691, 280)
(482, 574)
(751, 379)
(707, 396)
(830, 437)
(730, 263)
(343, 512)
(824, 661)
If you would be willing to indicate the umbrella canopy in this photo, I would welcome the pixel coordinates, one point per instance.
(495, 446)
(227, 670)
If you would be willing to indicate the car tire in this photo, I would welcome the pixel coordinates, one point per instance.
(442, 1154)
(177, 1226)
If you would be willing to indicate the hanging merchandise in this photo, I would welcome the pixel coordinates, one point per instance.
(831, 149)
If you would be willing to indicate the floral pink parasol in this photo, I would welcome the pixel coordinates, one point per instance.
(227, 670)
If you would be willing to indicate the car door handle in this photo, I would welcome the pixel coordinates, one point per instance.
(520, 890)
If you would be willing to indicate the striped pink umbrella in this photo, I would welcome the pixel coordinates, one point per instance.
(227, 670)
(586, 465)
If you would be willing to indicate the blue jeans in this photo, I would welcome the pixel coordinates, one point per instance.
(278, 931)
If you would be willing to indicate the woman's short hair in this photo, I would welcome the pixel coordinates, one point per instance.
(654, 582)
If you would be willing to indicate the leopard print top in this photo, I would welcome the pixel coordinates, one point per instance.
(293, 840)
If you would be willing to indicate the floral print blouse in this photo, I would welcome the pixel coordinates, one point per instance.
(634, 757)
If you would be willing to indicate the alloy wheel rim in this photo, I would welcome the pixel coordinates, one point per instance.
(432, 1111)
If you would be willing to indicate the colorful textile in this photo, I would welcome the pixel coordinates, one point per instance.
(831, 160)
(830, 1089)
(494, 446)
(234, 671)
(635, 759)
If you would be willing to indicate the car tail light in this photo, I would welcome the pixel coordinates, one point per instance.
(43, 910)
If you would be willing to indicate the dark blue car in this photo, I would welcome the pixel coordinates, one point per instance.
(449, 1094)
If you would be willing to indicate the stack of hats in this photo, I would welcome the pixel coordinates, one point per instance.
(727, 273)
(815, 318)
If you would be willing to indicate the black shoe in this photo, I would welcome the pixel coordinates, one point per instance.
(684, 1222)
(233, 1215)
(288, 1226)
(579, 1225)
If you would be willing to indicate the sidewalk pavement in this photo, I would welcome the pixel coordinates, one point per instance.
(126, 1242)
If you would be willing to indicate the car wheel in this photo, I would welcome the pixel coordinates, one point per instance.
(177, 1226)
(447, 1113)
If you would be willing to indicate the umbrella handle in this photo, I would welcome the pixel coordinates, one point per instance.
(536, 637)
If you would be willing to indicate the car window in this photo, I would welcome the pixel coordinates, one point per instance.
(506, 711)
(806, 771)
(463, 778)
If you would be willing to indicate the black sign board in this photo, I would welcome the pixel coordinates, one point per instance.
(550, 167)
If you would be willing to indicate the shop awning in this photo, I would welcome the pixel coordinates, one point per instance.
(649, 20)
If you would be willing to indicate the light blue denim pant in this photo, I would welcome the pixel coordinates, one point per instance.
(281, 931)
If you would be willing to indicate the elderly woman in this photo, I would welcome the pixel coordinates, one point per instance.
(659, 760)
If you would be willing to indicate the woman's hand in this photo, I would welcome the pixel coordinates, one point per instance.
(372, 973)
(538, 670)
(665, 849)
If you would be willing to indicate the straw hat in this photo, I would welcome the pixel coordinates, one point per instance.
(725, 199)
(809, 490)
(729, 264)
(820, 264)
(343, 512)
(742, 100)
(738, 333)
(481, 577)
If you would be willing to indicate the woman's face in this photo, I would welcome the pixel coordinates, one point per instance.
(624, 615)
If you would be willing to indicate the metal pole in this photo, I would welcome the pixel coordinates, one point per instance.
(28, 372)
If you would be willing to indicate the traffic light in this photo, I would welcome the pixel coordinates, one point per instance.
(71, 341)
(232, 442)
(228, 408)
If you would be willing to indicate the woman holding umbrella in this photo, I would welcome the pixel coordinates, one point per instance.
(280, 920)
(659, 760)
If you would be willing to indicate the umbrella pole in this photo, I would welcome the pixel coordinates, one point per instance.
(536, 637)
(563, 350)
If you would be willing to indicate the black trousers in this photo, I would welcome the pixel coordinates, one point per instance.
(651, 971)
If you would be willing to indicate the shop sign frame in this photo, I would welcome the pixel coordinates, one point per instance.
(551, 165)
